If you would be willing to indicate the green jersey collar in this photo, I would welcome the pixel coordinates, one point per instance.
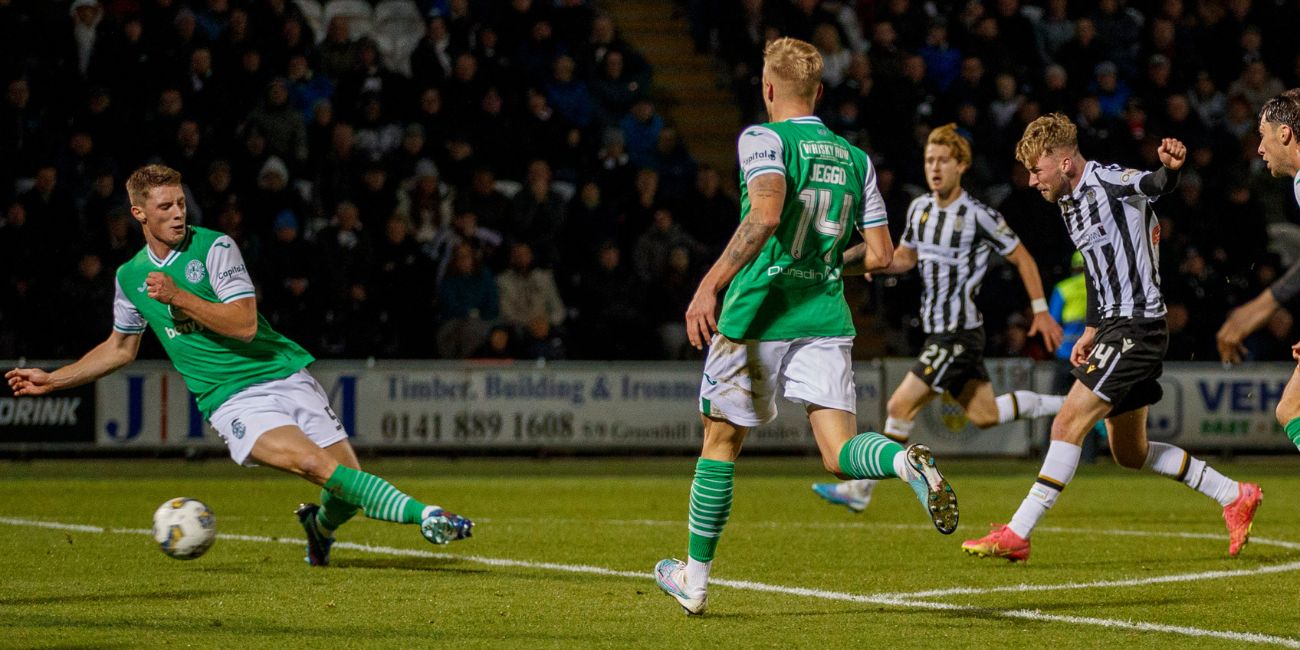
(173, 253)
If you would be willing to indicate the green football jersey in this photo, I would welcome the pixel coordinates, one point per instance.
(792, 289)
(209, 265)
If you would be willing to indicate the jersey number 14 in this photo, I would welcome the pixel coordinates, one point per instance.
(817, 203)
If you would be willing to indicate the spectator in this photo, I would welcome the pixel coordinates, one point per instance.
(528, 292)
(538, 214)
(641, 133)
(467, 303)
(654, 248)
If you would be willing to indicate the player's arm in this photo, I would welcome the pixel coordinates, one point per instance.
(1246, 319)
(1173, 154)
(118, 350)
(766, 199)
(876, 252)
(236, 319)
(861, 260)
(1043, 323)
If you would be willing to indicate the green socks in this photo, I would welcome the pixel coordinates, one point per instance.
(710, 506)
(1293, 431)
(376, 496)
(869, 455)
(334, 512)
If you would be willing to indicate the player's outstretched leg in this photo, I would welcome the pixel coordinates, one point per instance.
(1239, 500)
(1026, 405)
(380, 500)
(871, 455)
(856, 495)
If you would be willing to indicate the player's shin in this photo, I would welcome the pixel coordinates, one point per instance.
(1026, 405)
(710, 506)
(376, 496)
(871, 455)
(1058, 468)
(1167, 460)
(334, 512)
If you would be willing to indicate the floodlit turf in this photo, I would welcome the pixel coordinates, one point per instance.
(78, 588)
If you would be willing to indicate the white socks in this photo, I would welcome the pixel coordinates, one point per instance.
(697, 576)
(1058, 468)
(898, 430)
(1025, 405)
(1168, 460)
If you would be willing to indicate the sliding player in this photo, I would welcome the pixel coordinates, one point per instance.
(191, 286)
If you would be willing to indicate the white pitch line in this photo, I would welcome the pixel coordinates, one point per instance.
(1245, 637)
(1218, 537)
(1135, 582)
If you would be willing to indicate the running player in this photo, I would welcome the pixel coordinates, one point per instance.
(950, 235)
(1279, 146)
(191, 286)
(1107, 210)
(785, 325)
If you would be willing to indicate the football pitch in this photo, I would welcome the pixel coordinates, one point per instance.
(563, 550)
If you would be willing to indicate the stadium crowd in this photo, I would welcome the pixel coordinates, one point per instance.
(496, 182)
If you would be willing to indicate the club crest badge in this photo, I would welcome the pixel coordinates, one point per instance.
(195, 271)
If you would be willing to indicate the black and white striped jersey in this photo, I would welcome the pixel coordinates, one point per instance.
(1111, 222)
(952, 247)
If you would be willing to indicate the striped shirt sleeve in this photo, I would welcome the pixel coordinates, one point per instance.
(126, 318)
(908, 237)
(993, 228)
(760, 152)
(227, 271)
(873, 204)
(1121, 183)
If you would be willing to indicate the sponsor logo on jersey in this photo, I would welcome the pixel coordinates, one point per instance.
(712, 381)
(828, 273)
(770, 154)
(1091, 367)
(232, 271)
(222, 244)
(1126, 345)
(195, 271)
(237, 429)
(823, 150)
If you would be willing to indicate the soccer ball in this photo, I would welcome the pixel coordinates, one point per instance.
(184, 528)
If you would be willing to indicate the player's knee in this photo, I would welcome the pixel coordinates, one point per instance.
(1286, 411)
(316, 467)
(1066, 429)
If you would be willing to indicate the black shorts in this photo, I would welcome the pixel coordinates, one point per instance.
(1126, 363)
(950, 359)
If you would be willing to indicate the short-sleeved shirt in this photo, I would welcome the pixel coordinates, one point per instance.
(209, 265)
(952, 247)
(793, 289)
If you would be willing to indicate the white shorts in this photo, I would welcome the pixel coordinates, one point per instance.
(297, 400)
(741, 378)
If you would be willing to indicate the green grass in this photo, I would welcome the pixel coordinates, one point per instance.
(77, 589)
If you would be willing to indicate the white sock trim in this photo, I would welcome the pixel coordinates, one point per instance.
(898, 429)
